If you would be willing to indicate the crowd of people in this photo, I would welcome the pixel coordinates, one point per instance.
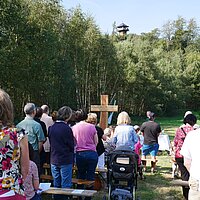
(68, 138)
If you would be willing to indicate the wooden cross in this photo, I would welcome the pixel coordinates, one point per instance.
(104, 108)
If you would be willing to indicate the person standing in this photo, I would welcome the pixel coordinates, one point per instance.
(14, 162)
(86, 139)
(190, 152)
(48, 122)
(34, 131)
(151, 131)
(181, 133)
(92, 118)
(124, 134)
(62, 150)
(37, 118)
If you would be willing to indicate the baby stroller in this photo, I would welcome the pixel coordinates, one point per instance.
(122, 174)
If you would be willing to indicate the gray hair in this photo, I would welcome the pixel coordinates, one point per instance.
(64, 113)
(29, 108)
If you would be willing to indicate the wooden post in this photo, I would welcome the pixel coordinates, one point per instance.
(104, 108)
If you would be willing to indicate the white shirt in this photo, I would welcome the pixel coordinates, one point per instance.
(48, 122)
(191, 151)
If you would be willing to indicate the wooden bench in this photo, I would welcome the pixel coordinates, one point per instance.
(47, 169)
(97, 170)
(100, 179)
(75, 181)
(99, 183)
(148, 159)
(46, 177)
(180, 182)
(70, 192)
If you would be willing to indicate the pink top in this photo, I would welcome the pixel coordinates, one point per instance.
(179, 138)
(84, 136)
(28, 183)
(137, 150)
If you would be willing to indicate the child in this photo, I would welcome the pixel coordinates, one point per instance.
(138, 146)
(31, 183)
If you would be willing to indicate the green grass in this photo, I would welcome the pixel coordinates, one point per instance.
(157, 186)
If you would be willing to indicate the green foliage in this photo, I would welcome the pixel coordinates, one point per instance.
(53, 56)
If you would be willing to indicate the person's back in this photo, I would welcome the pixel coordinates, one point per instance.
(62, 150)
(190, 151)
(125, 135)
(151, 132)
(86, 139)
(100, 147)
(181, 134)
(48, 122)
(84, 134)
(62, 143)
(45, 117)
(14, 162)
(29, 183)
(9, 168)
(33, 128)
(34, 131)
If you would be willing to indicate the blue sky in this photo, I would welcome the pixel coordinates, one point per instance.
(140, 15)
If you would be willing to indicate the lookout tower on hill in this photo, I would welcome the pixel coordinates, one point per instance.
(122, 29)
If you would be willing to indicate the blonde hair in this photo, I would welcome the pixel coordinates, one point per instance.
(123, 118)
(6, 108)
(92, 118)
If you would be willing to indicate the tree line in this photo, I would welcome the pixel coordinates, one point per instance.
(50, 55)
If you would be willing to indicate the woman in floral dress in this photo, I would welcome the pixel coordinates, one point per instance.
(14, 159)
(189, 121)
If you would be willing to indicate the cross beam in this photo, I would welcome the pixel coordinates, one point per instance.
(104, 108)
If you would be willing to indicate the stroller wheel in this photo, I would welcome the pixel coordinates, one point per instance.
(134, 193)
(109, 192)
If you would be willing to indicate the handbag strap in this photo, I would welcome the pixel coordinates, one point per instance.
(183, 131)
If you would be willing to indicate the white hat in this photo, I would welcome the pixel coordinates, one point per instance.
(136, 127)
(187, 113)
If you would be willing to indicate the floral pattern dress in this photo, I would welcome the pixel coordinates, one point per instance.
(179, 138)
(10, 177)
